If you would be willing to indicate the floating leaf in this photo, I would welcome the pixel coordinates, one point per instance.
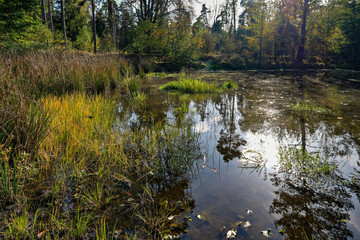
(248, 211)
(214, 170)
(171, 218)
(236, 224)
(346, 221)
(247, 224)
(240, 216)
(231, 234)
(41, 234)
(281, 231)
(203, 166)
(201, 217)
(266, 232)
(168, 236)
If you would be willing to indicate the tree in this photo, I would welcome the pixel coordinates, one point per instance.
(17, 15)
(150, 10)
(301, 49)
(63, 25)
(93, 24)
(51, 23)
(111, 20)
(43, 14)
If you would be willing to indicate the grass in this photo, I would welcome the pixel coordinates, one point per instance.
(62, 152)
(297, 161)
(305, 109)
(191, 86)
(57, 73)
(230, 85)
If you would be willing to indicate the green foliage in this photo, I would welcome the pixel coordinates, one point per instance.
(299, 161)
(190, 85)
(83, 39)
(17, 16)
(230, 85)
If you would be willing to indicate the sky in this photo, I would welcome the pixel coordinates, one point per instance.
(209, 4)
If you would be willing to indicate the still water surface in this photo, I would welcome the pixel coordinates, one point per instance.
(248, 139)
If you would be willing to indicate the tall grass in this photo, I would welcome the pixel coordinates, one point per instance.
(61, 147)
(41, 73)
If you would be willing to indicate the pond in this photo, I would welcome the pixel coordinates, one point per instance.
(280, 154)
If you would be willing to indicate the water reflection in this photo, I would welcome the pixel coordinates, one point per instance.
(308, 195)
(230, 140)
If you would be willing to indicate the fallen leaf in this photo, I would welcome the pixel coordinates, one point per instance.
(130, 199)
(214, 170)
(129, 194)
(281, 231)
(236, 224)
(266, 232)
(240, 216)
(41, 234)
(200, 217)
(203, 166)
(248, 211)
(346, 221)
(231, 234)
(247, 224)
(171, 217)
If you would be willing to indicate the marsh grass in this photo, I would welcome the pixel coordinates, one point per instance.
(230, 85)
(40, 73)
(18, 229)
(190, 86)
(63, 153)
(303, 164)
(303, 109)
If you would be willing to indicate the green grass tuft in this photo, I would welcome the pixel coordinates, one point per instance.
(190, 86)
(230, 85)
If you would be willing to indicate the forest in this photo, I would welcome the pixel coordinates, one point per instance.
(234, 34)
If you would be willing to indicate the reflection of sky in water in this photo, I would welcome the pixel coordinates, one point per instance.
(238, 131)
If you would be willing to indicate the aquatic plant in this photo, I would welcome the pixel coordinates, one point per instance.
(191, 86)
(230, 85)
(305, 109)
(304, 165)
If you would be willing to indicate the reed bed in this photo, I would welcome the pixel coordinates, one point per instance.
(57, 73)
(65, 160)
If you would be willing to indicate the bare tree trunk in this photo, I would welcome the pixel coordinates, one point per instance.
(261, 35)
(51, 24)
(111, 20)
(43, 13)
(63, 19)
(93, 24)
(301, 49)
(234, 15)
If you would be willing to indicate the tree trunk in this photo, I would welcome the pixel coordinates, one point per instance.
(93, 24)
(51, 24)
(234, 16)
(111, 20)
(261, 35)
(43, 14)
(63, 20)
(301, 49)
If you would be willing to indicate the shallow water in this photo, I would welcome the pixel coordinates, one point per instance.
(243, 135)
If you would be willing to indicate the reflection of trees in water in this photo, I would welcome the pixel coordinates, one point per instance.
(312, 211)
(354, 184)
(311, 198)
(230, 140)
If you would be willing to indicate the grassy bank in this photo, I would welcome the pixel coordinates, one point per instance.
(68, 163)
